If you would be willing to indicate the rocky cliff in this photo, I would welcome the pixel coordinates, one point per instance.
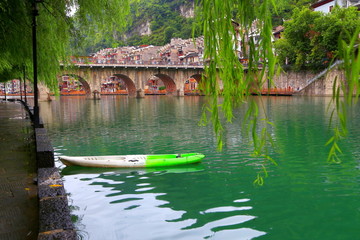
(157, 21)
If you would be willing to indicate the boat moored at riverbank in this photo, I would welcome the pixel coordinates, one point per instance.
(129, 161)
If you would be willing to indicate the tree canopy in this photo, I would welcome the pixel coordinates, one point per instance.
(284, 9)
(311, 39)
(54, 29)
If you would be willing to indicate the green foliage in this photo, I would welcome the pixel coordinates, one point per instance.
(298, 33)
(165, 22)
(54, 29)
(98, 26)
(165, 14)
(311, 39)
(350, 89)
(14, 16)
(285, 8)
(220, 39)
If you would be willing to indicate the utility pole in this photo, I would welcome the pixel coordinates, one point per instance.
(5, 83)
(35, 13)
(20, 85)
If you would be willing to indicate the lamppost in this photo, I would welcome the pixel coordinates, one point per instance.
(20, 85)
(35, 13)
(5, 83)
(25, 84)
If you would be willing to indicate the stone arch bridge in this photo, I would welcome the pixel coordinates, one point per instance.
(134, 76)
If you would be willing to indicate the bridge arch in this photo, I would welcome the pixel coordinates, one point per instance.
(84, 83)
(198, 77)
(130, 85)
(168, 82)
(192, 85)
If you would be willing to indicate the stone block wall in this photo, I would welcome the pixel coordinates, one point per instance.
(299, 81)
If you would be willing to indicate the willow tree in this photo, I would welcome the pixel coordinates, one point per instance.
(229, 26)
(55, 27)
(221, 41)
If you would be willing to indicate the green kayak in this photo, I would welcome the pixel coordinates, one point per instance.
(128, 161)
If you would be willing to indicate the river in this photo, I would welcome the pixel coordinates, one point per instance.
(304, 197)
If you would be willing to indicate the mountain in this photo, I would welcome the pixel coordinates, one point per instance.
(157, 21)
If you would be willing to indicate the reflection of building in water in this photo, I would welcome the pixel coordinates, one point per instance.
(71, 86)
(113, 85)
(14, 87)
(155, 86)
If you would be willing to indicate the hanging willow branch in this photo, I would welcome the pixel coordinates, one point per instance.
(229, 26)
(345, 93)
(54, 28)
(237, 82)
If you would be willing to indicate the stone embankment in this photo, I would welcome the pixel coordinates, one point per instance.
(54, 213)
(309, 83)
(18, 191)
(49, 217)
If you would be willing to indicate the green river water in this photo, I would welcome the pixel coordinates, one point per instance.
(304, 197)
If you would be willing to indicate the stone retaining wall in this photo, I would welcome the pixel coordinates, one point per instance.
(299, 80)
(54, 213)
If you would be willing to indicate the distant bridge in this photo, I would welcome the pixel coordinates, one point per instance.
(135, 76)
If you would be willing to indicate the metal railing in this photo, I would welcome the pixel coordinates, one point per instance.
(310, 81)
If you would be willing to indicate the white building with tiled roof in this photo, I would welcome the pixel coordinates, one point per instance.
(327, 5)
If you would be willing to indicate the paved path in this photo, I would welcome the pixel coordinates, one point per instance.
(18, 192)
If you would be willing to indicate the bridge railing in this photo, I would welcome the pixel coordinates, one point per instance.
(115, 65)
(142, 64)
(134, 63)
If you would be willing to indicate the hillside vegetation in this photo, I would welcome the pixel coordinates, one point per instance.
(155, 22)
(151, 22)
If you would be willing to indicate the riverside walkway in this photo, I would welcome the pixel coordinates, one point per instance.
(18, 190)
(33, 201)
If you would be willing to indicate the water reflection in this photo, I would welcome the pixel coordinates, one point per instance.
(72, 170)
(164, 208)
